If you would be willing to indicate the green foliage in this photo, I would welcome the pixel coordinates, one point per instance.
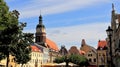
(23, 50)
(59, 60)
(3, 14)
(8, 28)
(74, 58)
(12, 40)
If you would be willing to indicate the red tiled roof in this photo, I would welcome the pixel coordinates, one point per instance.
(35, 48)
(102, 43)
(51, 44)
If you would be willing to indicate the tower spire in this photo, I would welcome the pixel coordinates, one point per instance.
(40, 19)
(112, 6)
(40, 32)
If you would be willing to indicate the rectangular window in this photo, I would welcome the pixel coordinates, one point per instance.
(90, 60)
(94, 60)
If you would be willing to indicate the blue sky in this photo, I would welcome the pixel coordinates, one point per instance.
(67, 21)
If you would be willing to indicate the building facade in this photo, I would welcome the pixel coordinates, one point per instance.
(89, 52)
(102, 54)
(115, 39)
(36, 57)
(45, 53)
(11, 63)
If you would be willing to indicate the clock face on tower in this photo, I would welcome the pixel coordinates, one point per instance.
(39, 30)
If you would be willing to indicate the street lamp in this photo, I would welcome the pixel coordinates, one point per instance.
(109, 33)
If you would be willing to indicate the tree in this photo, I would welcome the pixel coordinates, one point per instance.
(79, 60)
(23, 49)
(59, 60)
(3, 15)
(62, 59)
(23, 56)
(8, 29)
(74, 58)
(12, 40)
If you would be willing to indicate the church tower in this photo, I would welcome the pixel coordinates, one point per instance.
(113, 18)
(40, 32)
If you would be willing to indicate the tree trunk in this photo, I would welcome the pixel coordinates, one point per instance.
(66, 64)
(7, 60)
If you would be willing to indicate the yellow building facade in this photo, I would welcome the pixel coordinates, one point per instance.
(36, 58)
(11, 63)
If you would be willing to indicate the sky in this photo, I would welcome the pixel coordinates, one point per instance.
(67, 22)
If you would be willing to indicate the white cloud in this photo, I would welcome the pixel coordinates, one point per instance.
(73, 35)
(33, 8)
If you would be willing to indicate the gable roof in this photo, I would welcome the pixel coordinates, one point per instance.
(86, 48)
(74, 50)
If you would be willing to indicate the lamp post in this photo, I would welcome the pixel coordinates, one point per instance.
(109, 33)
